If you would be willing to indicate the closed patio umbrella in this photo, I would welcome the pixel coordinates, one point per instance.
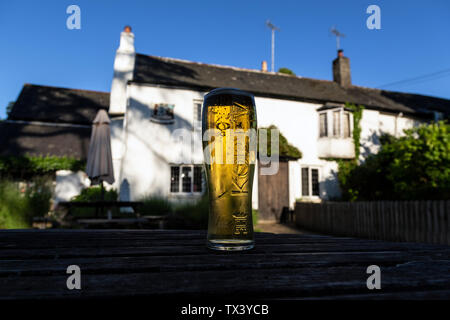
(99, 166)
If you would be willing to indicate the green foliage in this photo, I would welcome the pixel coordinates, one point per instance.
(196, 212)
(9, 108)
(19, 206)
(39, 194)
(415, 166)
(285, 148)
(93, 194)
(155, 206)
(286, 71)
(14, 207)
(29, 166)
(255, 216)
(357, 115)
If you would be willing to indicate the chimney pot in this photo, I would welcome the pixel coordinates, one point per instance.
(127, 29)
(264, 66)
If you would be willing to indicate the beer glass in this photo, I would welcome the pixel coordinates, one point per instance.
(229, 149)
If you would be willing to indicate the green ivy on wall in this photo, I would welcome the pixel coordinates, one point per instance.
(346, 166)
(26, 166)
(357, 115)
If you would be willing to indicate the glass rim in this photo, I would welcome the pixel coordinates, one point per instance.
(227, 90)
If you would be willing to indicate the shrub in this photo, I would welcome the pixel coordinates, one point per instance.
(286, 71)
(93, 194)
(285, 148)
(155, 206)
(39, 194)
(30, 166)
(196, 213)
(14, 207)
(413, 167)
(255, 217)
(19, 207)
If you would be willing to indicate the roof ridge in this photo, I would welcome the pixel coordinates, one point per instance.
(400, 92)
(228, 67)
(64, 88)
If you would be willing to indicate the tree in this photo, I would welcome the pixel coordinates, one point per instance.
(415, 166)
(9, 108)
(286, 71)
(286, 149)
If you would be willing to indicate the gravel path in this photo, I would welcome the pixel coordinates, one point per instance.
(274, 227)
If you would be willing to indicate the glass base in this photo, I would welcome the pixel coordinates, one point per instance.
(231, 245)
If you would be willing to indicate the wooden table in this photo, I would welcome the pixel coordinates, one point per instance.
(176, 264)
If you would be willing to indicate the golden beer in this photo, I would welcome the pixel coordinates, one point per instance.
(228, 118)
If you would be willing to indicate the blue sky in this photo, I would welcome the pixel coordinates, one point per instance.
(38, 48)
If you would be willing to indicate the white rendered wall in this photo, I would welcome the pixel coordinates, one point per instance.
(69, 184)
(150, 148)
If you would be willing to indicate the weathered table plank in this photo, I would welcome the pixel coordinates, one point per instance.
(158, 263)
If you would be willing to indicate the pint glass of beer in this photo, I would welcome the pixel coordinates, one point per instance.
(229, 149)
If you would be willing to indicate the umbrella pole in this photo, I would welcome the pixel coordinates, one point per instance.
(103, 196)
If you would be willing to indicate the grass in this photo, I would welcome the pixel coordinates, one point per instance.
(192, 212)
(19, 206)
(155, 206)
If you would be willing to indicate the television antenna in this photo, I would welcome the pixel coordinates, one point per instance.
(338, 35)
(273, 28)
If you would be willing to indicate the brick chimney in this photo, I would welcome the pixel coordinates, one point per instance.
(341, 70)
(123, 71)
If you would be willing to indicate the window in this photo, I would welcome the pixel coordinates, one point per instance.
(341, 123)
(315, 182)
(174, 179)
(310, 182)
(186, 179)
(337, 123)
(346, 124)
(305, 182)
(198, 179)
(323, 124)
(197, 121)
(190, 180)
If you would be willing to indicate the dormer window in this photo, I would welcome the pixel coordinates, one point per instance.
(340, 119)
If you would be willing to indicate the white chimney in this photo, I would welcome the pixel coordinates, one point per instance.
(123, 71)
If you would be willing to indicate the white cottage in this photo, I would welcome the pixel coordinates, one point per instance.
(152, 97)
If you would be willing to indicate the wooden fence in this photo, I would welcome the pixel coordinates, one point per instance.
(413, 221)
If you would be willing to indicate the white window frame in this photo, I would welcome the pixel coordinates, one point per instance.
(331, 124)
(180, 182)
(326, 122)
(196, 124)
(319, 174)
